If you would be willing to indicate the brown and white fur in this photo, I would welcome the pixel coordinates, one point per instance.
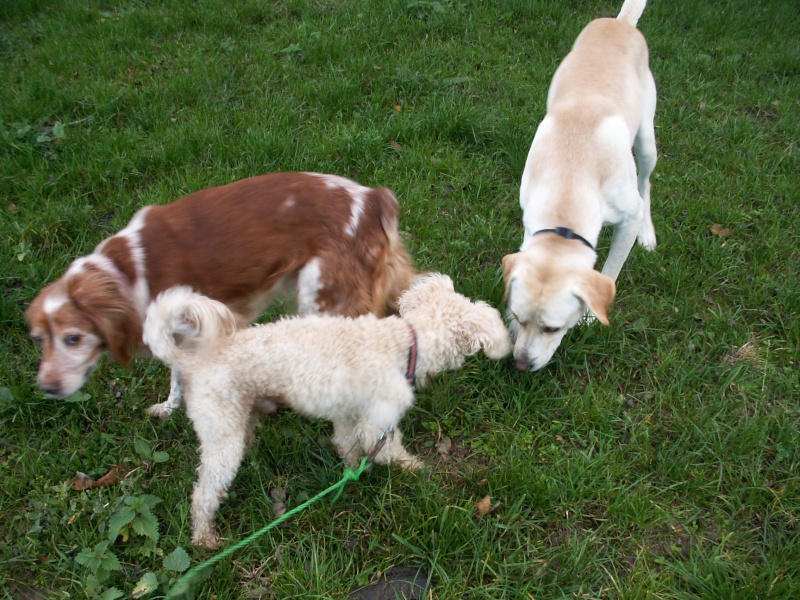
(357, 373)
(581, 175)
(334, 241)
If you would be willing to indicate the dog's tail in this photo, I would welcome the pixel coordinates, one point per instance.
(631, 11)
(180, 323)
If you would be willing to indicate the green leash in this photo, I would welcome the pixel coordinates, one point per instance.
(182, 585)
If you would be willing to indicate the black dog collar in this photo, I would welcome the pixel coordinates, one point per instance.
(568, 234)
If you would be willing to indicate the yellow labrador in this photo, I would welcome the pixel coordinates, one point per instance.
(579, 176)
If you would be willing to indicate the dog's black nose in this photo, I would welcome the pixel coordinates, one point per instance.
(50, 390)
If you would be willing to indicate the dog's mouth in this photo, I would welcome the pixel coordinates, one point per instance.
(53, 392)
(531, 367)
(58, 391)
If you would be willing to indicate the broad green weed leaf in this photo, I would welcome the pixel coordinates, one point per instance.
(146, 524)
(118, 520)
(111, 594)
(143, 449)
(22, 129)
(146, 585)
(99, 560)
(177, 561)
(455, 80)
(77, 397)
(291, 49)
(147, 502)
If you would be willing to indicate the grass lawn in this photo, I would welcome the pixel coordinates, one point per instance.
(655, 458)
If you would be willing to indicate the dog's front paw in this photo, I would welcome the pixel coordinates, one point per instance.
(647, 237)
(410, 463)
(209, 539)
(162, 410)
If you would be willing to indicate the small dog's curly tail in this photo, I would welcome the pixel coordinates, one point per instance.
(181, 322)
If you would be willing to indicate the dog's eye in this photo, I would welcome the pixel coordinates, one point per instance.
(38, 340)
(72, 340)
(550, 329)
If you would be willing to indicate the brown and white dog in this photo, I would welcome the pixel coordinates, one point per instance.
(333, 240)
(580, 175)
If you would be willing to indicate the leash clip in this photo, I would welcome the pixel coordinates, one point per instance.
(390, 431)
(387, 435)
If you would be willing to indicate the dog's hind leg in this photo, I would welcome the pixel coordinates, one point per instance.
(345, 440)
(644, 146)
(222, 439)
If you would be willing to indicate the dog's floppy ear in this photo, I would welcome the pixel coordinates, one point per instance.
(509, 262)
(389, 209)
(597, 291)
(97, 294)
(385, 257)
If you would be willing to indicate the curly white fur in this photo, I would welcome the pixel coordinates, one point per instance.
(351, 372)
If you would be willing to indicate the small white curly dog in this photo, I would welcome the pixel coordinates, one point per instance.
(358, 373)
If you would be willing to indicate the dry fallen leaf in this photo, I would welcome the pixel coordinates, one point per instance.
(484, 506)
(748, 353)
(395, 145)
(444, 446)
(721, 231)
(83, 482)
(115, 475)
(279, 495)
(279, 508)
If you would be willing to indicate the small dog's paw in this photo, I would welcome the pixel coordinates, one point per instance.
(411, 463)
(162, 410)
(210, 540)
